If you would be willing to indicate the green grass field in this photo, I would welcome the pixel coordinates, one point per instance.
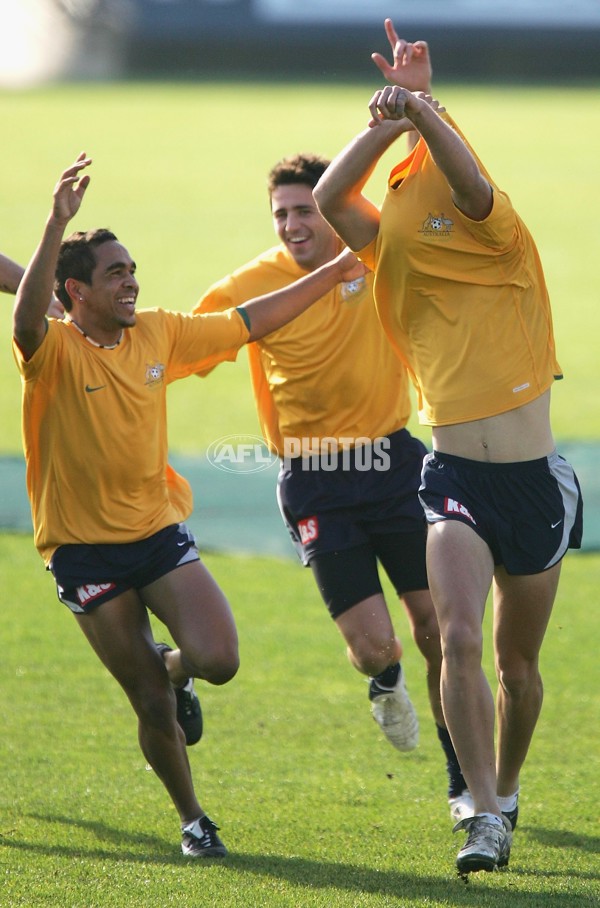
(315, 806)
(179, 174)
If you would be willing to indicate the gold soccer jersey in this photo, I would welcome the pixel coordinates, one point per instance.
(107, 480)
(329, 374)
(463, 302)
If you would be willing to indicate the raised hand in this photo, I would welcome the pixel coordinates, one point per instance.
(70, 189)
(35, 289)
(412, 64)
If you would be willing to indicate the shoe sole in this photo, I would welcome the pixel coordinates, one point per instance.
(207, 853)
(475, 862)
(403, 748)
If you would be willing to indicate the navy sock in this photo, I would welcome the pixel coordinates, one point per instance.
(456, 780)
(389, 677)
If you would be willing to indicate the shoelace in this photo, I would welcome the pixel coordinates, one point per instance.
(478, 829)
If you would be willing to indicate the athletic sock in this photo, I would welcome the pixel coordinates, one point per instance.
(456, 780)
(509, 803)
(389, 678)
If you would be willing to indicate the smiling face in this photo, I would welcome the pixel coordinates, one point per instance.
(301, 227)
(106, 305)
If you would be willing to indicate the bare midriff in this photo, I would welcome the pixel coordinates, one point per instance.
(518, 435)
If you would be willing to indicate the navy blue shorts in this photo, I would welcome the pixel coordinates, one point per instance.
(329, 510)
(88, 575)
(528, 513)
(342, 520)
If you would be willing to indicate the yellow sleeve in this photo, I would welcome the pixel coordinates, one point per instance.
(225, 295)
(218, 298)
(204, 340)
(497, 231)
(368, 255)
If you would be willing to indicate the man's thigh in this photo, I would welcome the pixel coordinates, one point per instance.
(460, 568)
(119, 631)
(522, 609)
(193, 607)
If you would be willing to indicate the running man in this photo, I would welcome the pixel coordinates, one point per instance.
(461, 294)
(107, 510)
(332, 400)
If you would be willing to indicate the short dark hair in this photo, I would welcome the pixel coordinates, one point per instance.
(304, 169)
(77, 259)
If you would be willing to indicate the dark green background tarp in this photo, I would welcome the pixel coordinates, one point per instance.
(237, 512)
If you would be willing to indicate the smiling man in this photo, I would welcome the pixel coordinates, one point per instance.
(107, 509)
(333, 403)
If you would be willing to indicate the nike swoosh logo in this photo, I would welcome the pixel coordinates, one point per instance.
(89, 389)
(554, 525)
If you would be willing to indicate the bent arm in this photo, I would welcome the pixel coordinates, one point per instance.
(339, 192)
(10, 275)
(471, 191)
(29, 314)
(35, 289)
(274, 310)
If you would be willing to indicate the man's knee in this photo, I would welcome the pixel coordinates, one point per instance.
(221, 671)
(217, 665)
(516, 676)
(372, 653)
(462, 645)
(153, 702)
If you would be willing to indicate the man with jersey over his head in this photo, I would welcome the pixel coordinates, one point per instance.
(461, 294)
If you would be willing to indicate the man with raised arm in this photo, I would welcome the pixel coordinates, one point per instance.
(107, 510)
(333, 403)
(461, 294)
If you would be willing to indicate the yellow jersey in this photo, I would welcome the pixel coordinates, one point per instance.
(329, 374)
(463, 302)
(95, 426)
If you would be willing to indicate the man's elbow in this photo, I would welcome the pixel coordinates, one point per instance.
(325, 198)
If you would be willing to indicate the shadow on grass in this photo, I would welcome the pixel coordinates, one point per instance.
(560, 838)
(146, 848)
